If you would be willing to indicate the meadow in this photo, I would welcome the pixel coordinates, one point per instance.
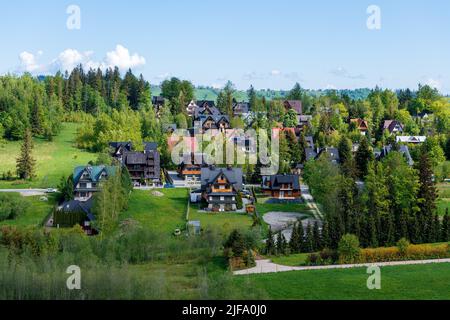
(428, 282)
(54, 159)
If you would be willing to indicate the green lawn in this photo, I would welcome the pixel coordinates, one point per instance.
(294, 260)
(264, 207)
(54, 159)
(224, 221)
(397, 283)
(158, 213)
(35, 214)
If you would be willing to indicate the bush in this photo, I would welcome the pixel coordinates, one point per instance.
(348, 249)
(402, 246)
(412, 252)
(12, 206)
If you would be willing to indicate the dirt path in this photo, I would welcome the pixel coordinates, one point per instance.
(266, 266)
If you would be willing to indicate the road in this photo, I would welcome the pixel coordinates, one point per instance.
(266, 266)
(26, 192)
(310, 202)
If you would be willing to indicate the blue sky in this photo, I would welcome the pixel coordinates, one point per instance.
(270, 44)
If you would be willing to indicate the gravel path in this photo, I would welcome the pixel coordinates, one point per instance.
(266, 266)
(284, 221)
(26, 192)
(310, 201)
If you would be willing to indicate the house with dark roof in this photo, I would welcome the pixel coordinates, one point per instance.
(214, 122)
(392, 126)
(241, 109)
(296, 105)
(117, 149)
(220, 187)
(144, 166)
(411, 139)
(361, 125)
(75, 212)
(331, 153)
(282, 186)
(87, 179)
(403, 149)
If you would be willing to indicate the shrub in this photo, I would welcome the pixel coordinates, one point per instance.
(412, 252)
(402, 246)
(348, 249)
(12, 206)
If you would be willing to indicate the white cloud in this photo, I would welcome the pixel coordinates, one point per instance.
(343, 73)
(434, 83)
(28, 62)
(275, 72)
(70, 58)
(331, 87)
(163, 76)
(121, 58)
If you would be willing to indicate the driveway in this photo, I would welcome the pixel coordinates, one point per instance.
(266, 266)
(284, 221)
(26, 192)
(310, 202)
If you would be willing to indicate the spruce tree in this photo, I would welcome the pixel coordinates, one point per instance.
(270, 245)
(362, 158)
(325, 234)
(301, 236)
(317, 237)
(25, 164)
(427, 195)
(309, 241)
(294, 242)
(445, 233)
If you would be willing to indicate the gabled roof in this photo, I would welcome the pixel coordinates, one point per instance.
(157, 100)
(135, 158)
(309, 141)
(241, 107)
(294, 104)
(310, 153)
(94, 172)
(150, 146)
(331, 152)
(411, 139)
(277, 180)
(404, 150)
(361, 124)
(391, 125)
(215, 118)
(73, 206)
(117, 146)
(233, 175)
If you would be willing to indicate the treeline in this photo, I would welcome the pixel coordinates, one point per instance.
(393, 201)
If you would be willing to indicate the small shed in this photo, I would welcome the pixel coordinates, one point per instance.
(194, 227)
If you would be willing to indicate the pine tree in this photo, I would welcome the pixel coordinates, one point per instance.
(25, 164)
(326, 242)
(301, 237)
(293, 243)
(445, 233)
(309, 240)
(371, 233)
(427, 195)
(270, 245)
(362, 158)
(317, 237)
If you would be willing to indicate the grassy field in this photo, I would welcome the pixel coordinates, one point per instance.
(293, 260)
(397, 283)
(444, 197)
(159, 213)
(263, 207)
(35, 214)
(224, 221)
(54, 159)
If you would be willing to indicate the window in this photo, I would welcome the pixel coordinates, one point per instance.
(222, 198)
(221, 187)
(83, 185)
(210, 198)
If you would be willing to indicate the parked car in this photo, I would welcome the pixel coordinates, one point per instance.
(51, 190)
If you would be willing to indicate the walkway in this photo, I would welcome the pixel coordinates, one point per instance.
(310, 202)
(266, 266)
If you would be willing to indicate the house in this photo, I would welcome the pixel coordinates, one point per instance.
(220, 187)
(191, 167)
(295, 105)
(411, 139)
(309, 141)
(205, 108)
(241, 109)
(158, 102)
(361, 125)
(214, 122)
(281, 186)
(304, 121)
(403, 149)
(87, 179)
(143, 166)
(117, 149)
(393, 126)
(74, 212)
(331, 153)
